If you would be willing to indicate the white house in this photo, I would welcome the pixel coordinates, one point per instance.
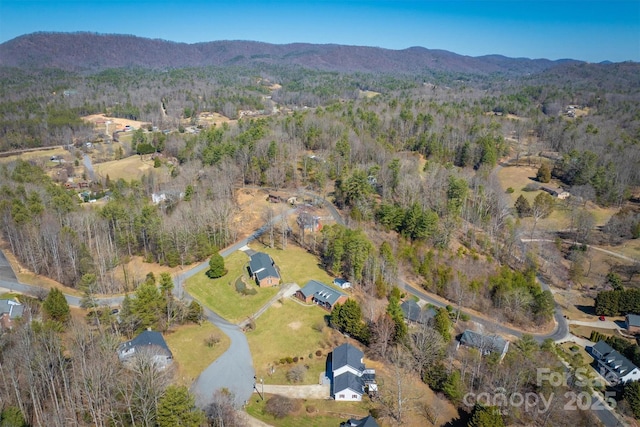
(350, 378)
(613, 366)
(341, 283)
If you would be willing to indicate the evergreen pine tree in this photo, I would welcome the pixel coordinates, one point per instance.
(176, 408)
(55, 306)
(216, 266)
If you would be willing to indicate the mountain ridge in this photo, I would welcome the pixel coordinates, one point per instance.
(91, 52)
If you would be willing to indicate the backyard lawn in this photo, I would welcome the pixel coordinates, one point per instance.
(312, 413)
(191, 354)
(289, 329)
(220, 295)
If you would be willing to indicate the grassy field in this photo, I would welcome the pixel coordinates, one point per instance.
(312, 413)
(129, 168)
(220, 294)
(289, 329)
(519, 177)
(296, 264)
(190, 353)
(38, 156)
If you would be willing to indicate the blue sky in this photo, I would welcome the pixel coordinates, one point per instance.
(578, 29)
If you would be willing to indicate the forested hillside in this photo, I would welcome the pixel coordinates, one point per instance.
(96, 52)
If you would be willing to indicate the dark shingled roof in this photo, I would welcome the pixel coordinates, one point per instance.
(347, 355)
(367, 421)
(613, 359)
(261, 266)
(414, 313)
(348, 380)
(321, 292)
(147, 339)
(12, 308)
(633, 320)
(485, 343)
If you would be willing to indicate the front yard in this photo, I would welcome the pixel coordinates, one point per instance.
(296, 265)
(291, 330)
(311, 413)
(191, 354)
(220, 294)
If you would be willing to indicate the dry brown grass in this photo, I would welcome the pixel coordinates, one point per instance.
(191, 354)
(116, 123)
(131, 168)
(208, 118)
(518, 177)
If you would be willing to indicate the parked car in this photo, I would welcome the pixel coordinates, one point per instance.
(601, 318)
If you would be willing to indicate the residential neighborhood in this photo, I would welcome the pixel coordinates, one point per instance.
(237, 233)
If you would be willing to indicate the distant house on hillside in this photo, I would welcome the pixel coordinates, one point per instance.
(263, 270)
(10, 310)
(484, 343)
(308, 222)
(349, 377)
(149, 343)
(556, 192)
(323, 295)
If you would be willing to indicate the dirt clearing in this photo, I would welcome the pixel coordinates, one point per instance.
(295, 325)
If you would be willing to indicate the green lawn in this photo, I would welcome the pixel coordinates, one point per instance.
(296, 264)
(220, 294)
(190, 352)
(312, 413)
(289, 329)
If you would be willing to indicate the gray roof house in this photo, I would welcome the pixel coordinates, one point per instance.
(263, 269)
(151, 343)
(349, 375)
(367, 421)
(485, 343)
(613, 366)
(413, 313)
(323, 295)
(9, 311)
(632, 322)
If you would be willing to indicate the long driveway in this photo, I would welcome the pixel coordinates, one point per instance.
(234, 369)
